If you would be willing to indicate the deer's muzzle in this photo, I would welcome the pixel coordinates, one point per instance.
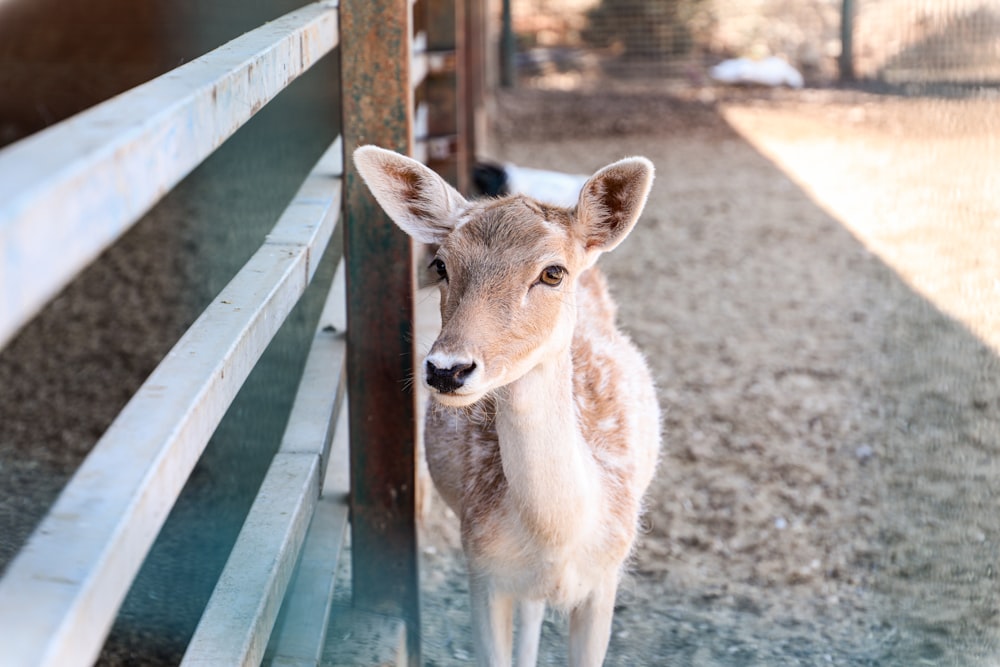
(448, 380)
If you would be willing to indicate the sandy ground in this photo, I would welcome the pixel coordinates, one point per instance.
(814, 283)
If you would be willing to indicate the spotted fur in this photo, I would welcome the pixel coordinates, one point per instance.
(546, 446)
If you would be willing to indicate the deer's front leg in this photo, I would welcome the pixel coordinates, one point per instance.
(590, 626)
(492, 622)
(530, 613)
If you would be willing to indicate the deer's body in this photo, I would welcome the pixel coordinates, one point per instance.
(544, 432)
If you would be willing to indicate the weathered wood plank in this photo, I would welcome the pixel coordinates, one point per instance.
(244, 605)
(78, 565)
(300, 635)
(237, 622)
(70, 191)
(377, 102)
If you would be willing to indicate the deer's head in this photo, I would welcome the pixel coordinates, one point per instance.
(508, 267)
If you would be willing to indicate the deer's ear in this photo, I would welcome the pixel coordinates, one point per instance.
(418, 200)
(611, 201)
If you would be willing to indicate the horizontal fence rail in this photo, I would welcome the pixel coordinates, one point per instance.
(300, 634)
(115, 504)
(241, 613)
(70, 191)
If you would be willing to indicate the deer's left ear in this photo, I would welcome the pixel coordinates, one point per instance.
(611, 201)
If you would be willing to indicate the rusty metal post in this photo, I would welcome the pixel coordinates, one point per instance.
(375, 40)
(443, 89)
(473, 77)
(508, 47)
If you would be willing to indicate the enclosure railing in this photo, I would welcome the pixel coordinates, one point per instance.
(69, 192)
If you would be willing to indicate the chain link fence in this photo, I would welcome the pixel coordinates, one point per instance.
(929, 41)
(896, 42)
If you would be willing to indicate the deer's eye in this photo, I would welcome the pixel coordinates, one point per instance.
(439, 266)
(552, 275)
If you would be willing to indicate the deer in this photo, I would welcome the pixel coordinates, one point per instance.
(543, 432)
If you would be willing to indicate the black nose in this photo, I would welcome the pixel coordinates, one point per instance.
(447, 380)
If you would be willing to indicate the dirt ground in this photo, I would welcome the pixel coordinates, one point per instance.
(815, 285)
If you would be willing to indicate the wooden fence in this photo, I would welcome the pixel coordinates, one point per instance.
(408, 69)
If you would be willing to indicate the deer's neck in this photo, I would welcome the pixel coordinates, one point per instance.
(550, 471)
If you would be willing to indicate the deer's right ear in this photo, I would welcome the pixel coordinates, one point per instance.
(417, 199)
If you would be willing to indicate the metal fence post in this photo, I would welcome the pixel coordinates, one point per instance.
(508, 47)
(444, 89)
(846, 59)
(476, 41)
(377, 109)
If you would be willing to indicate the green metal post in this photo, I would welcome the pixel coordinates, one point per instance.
(508, 47)
(846, 61)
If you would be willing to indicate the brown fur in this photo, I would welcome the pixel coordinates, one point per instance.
(544, 432)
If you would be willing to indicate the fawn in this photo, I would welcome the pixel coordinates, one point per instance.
(544, 431)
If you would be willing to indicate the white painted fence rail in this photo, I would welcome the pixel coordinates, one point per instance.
(68, 193)
(241, 613)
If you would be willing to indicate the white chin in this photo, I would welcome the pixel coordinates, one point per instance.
(456, 400)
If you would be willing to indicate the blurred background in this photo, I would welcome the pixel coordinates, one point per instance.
(904, 43)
